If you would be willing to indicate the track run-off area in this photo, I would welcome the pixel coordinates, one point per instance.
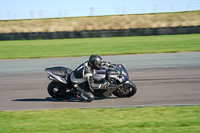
(162, 80)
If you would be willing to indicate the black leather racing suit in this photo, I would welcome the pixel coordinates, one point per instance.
(82, 74)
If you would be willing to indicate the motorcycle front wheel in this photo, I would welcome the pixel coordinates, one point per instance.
(127, 90)
(59, 91)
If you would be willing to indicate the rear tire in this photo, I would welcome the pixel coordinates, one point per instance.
(59, 91)
(127, 90)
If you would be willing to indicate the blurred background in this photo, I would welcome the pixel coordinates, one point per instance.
(65, 15)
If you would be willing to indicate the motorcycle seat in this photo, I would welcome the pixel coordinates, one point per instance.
(61, 71)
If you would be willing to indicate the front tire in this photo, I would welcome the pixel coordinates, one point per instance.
(59, 91)
(127, 90)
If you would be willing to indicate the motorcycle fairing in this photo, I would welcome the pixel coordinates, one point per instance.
(123, 73)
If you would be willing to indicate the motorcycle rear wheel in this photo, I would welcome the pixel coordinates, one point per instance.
(59, 91)
(127, 90)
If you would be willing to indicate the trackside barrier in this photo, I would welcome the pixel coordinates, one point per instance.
(101, 33)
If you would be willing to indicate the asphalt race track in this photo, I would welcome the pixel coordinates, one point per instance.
(161, 79)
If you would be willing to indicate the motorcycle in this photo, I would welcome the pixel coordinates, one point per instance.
(116, 75)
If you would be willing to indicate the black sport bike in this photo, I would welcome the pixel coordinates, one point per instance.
(116, 75)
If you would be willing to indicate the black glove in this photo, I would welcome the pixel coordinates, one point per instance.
(104, 63)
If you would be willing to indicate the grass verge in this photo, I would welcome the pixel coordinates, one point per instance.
(101, 46)
(110, 120)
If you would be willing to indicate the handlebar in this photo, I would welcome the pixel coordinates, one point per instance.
(108, 64)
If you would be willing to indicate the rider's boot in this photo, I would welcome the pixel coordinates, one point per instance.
(84, 93)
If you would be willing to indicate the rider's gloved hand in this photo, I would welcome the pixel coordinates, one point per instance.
(104, 63)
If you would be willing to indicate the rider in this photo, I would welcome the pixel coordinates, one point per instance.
(84, 73)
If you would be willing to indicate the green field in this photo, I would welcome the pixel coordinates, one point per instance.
(108, 120)
(101, 46)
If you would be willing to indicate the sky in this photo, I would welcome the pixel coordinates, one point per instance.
(30, 9)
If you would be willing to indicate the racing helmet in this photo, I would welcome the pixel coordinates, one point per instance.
(95, 61)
